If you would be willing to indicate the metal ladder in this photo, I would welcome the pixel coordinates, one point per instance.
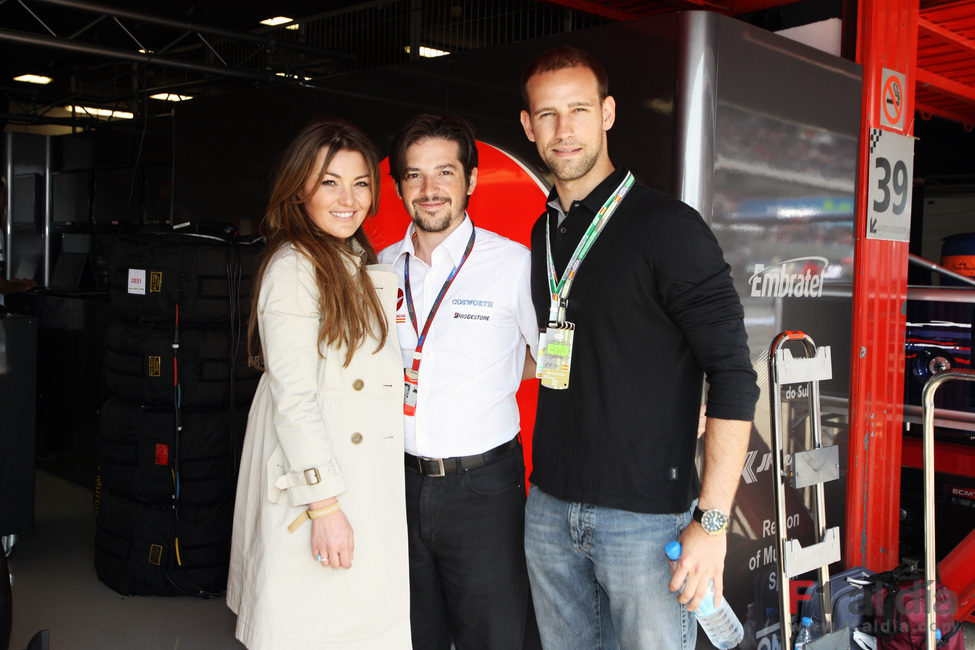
(808, 468)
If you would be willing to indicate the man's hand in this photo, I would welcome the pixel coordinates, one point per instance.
(701, 560)
(702, 555)
(530, 366)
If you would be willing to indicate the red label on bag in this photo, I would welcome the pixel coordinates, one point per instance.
(162, 454)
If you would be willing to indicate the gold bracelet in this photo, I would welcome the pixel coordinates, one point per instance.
(312, 514)
(323, 512)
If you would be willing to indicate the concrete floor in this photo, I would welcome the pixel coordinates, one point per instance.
(55, 588)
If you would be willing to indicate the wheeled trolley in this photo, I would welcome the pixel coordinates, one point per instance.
(808, 468)
(930, 560)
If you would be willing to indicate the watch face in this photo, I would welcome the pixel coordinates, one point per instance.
(714, 521)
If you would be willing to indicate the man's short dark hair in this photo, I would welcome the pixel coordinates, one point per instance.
(560, 58)
(434, 125)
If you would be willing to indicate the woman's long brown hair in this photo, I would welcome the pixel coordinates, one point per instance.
(348, 303)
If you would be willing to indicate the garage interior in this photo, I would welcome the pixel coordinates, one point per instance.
(117, 138)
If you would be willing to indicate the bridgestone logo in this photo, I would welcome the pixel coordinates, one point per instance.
(801, 277)
(471, 316)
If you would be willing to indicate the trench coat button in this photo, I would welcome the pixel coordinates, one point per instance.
(358, 384)
(356, 438)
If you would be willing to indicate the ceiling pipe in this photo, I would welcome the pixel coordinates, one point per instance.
(71, 46)
(193, 27)
(80, 120)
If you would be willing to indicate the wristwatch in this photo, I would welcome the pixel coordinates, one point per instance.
(713, 521)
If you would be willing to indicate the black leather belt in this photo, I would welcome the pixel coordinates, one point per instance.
(439, 467)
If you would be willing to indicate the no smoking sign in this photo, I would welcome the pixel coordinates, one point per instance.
(892, 100)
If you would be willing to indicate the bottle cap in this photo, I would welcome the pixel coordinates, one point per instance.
(807, 621)
(937, 635)
(673, 550)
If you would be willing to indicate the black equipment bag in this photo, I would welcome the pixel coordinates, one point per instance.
(211, 366)
(142, 457)
(143, 549)
(208, 276)
(850, 593)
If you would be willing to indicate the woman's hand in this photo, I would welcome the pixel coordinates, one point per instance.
(331, 538)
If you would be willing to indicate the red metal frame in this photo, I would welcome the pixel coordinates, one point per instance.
(957, 571)
(887, 38)
(949, 457)
(946, 61)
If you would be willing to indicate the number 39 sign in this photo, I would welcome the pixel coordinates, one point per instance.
(891, 183)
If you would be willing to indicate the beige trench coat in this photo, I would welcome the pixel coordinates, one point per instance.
(313, 418)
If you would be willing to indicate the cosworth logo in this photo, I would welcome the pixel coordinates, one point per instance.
(467, 302)
(800, 277)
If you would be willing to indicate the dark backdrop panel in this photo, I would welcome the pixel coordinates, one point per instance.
(226, 146)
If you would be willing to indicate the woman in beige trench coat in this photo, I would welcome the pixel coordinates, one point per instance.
(319, 553)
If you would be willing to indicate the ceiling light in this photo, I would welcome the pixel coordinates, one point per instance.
(145, 51)
(428, 52)
(100, 112)
(170, 97)
(277, 20)
(33, 79)
(293, 27)
(291, 76)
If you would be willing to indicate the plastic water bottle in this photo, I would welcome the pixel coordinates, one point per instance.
(723, 628)
(805, 634)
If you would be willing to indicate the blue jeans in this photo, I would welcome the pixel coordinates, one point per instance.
(599, 577)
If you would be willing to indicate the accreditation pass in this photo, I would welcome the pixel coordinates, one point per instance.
(555, 354)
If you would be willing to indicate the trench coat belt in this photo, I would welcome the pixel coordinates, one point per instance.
(438, 467)
(310, 476)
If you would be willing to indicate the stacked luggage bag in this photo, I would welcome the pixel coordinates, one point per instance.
(886, 610)
(168, 450)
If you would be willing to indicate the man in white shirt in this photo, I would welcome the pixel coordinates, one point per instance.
(466, 327)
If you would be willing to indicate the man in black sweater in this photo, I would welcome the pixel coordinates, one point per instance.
(636, 305)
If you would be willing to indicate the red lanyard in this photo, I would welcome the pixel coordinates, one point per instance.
(422, 336)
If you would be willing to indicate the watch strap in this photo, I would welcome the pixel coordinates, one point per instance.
(699, 514)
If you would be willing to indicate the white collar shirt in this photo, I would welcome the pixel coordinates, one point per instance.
(474, 353)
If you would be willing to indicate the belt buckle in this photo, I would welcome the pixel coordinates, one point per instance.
(439, 462)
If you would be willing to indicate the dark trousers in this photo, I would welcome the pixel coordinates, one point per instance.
(468, 580)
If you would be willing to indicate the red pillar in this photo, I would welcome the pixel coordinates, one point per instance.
(886, 38)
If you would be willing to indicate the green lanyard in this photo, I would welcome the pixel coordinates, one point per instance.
(559, 290)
